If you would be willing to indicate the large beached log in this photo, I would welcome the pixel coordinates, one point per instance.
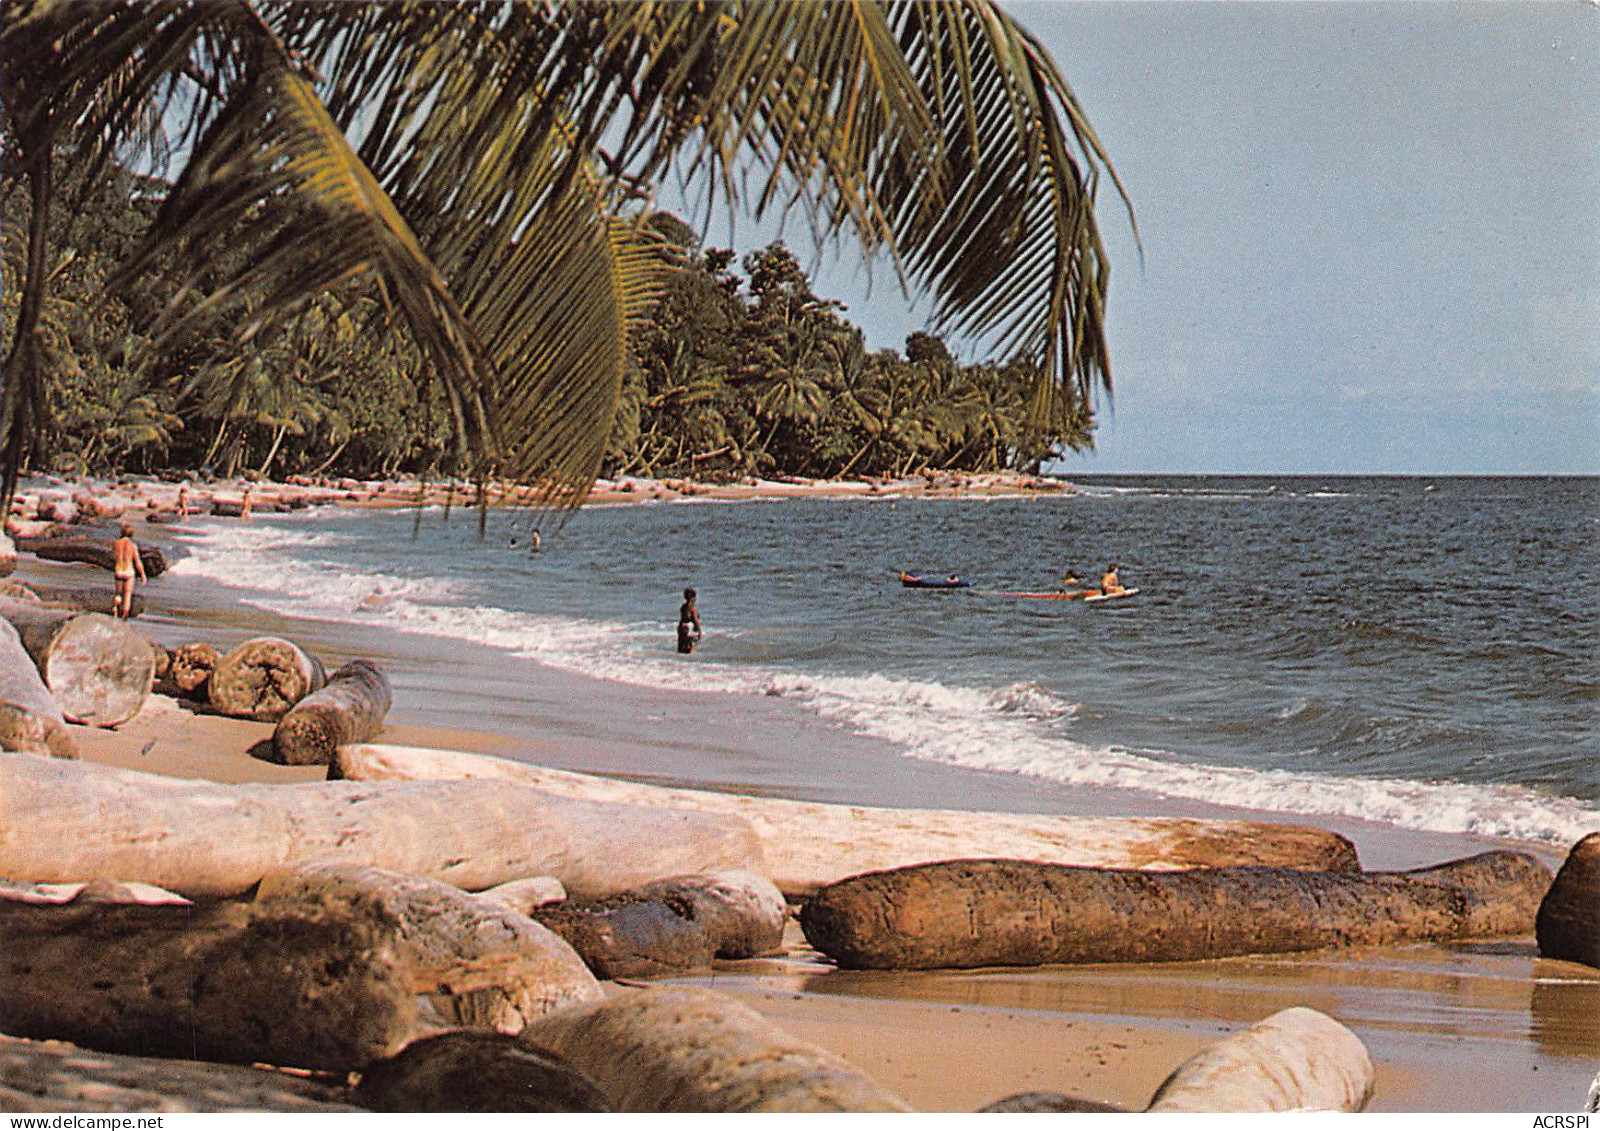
(350, 707)
(1569, 917)
(685, 1049)
(63, 821)
(63, 597)
(809, 845)
(97, 668)
(490, 968)
(30, 719)
(262, 678)
(474, 1071)
(672, 926)
(522, 896)
(220, 981)
(969, 913)
(38, 1077)
(95, 551)
(1295, 1060)
(191, 668)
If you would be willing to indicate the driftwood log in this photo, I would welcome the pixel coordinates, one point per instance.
(523, 896)
(221, 981)
(349, 708)
(672, 926)
(970, 913)
(262, 678)
(95, 551)
(1295, 1060)
(8, 555)
(1038, 1103)
(474, 1071)
(97, 668)
(65, 597)
(809, 845)
(478, 964)
(64, 821)
(685, 1049)
(1569, 917)
(37, 1077)
(30, 719)
(191, 668)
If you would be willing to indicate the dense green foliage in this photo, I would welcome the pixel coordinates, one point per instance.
(734, 375)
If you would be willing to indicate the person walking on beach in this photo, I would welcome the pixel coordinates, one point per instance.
(244, 508)
(125, 564)
(689, 630)
(183, 502)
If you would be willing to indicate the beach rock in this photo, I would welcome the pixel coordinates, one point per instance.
(218, 981)
(523, 896)
(30, 719)
(470, 1071)
(484, 966)
(98, 670)
(62, 820)
(1569, 917)
(262, 678)
(809, 845)
(680, 1048)
(92, 891)
(971, 913)
(91, 507)
(77, 599)
(1295, 1060)
(1039, 1102)
(350, 707)
(191, 668)
(56, 506)
(672, 926)
(54, 1077)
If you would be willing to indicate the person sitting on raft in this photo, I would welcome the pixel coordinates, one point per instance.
(1109, 585)
(689, 630)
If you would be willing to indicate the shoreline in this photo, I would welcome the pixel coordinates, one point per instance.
(1432, 1015)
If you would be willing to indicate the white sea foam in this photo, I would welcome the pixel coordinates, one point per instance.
(1020, 728)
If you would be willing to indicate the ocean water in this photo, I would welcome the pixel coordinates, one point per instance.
(1417, 652)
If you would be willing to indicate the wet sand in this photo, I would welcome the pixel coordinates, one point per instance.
(1488, 1027)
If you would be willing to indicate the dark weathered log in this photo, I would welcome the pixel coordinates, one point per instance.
(486, 966)
(1295, 1060)
(262, 678)
(30, 719)
(476, 1072)
(192, 665)
(1569, 917)
(63, 821)
(98, 670)
(91, 551)
(674, 925)
(970, 913)
(350, 707)
(680, 1048)
(223, 981)
(8, 555)
(54, 1077)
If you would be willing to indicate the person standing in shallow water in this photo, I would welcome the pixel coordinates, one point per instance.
(689, 630)
(125, 564)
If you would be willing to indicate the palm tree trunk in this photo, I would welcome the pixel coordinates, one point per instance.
(22, 397)
(216, 445)
(855, 459)
(272, 454)
(337, 452)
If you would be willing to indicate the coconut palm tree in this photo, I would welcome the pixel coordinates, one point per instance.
(484, 170)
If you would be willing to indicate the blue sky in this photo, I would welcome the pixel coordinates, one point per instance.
(1371, 233)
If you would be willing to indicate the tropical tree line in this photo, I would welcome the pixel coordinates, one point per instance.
(733, 375)
(415, 233)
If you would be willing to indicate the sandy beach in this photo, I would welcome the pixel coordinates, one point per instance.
(1433, 1016)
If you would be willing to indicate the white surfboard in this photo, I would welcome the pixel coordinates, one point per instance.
(1111, 596)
